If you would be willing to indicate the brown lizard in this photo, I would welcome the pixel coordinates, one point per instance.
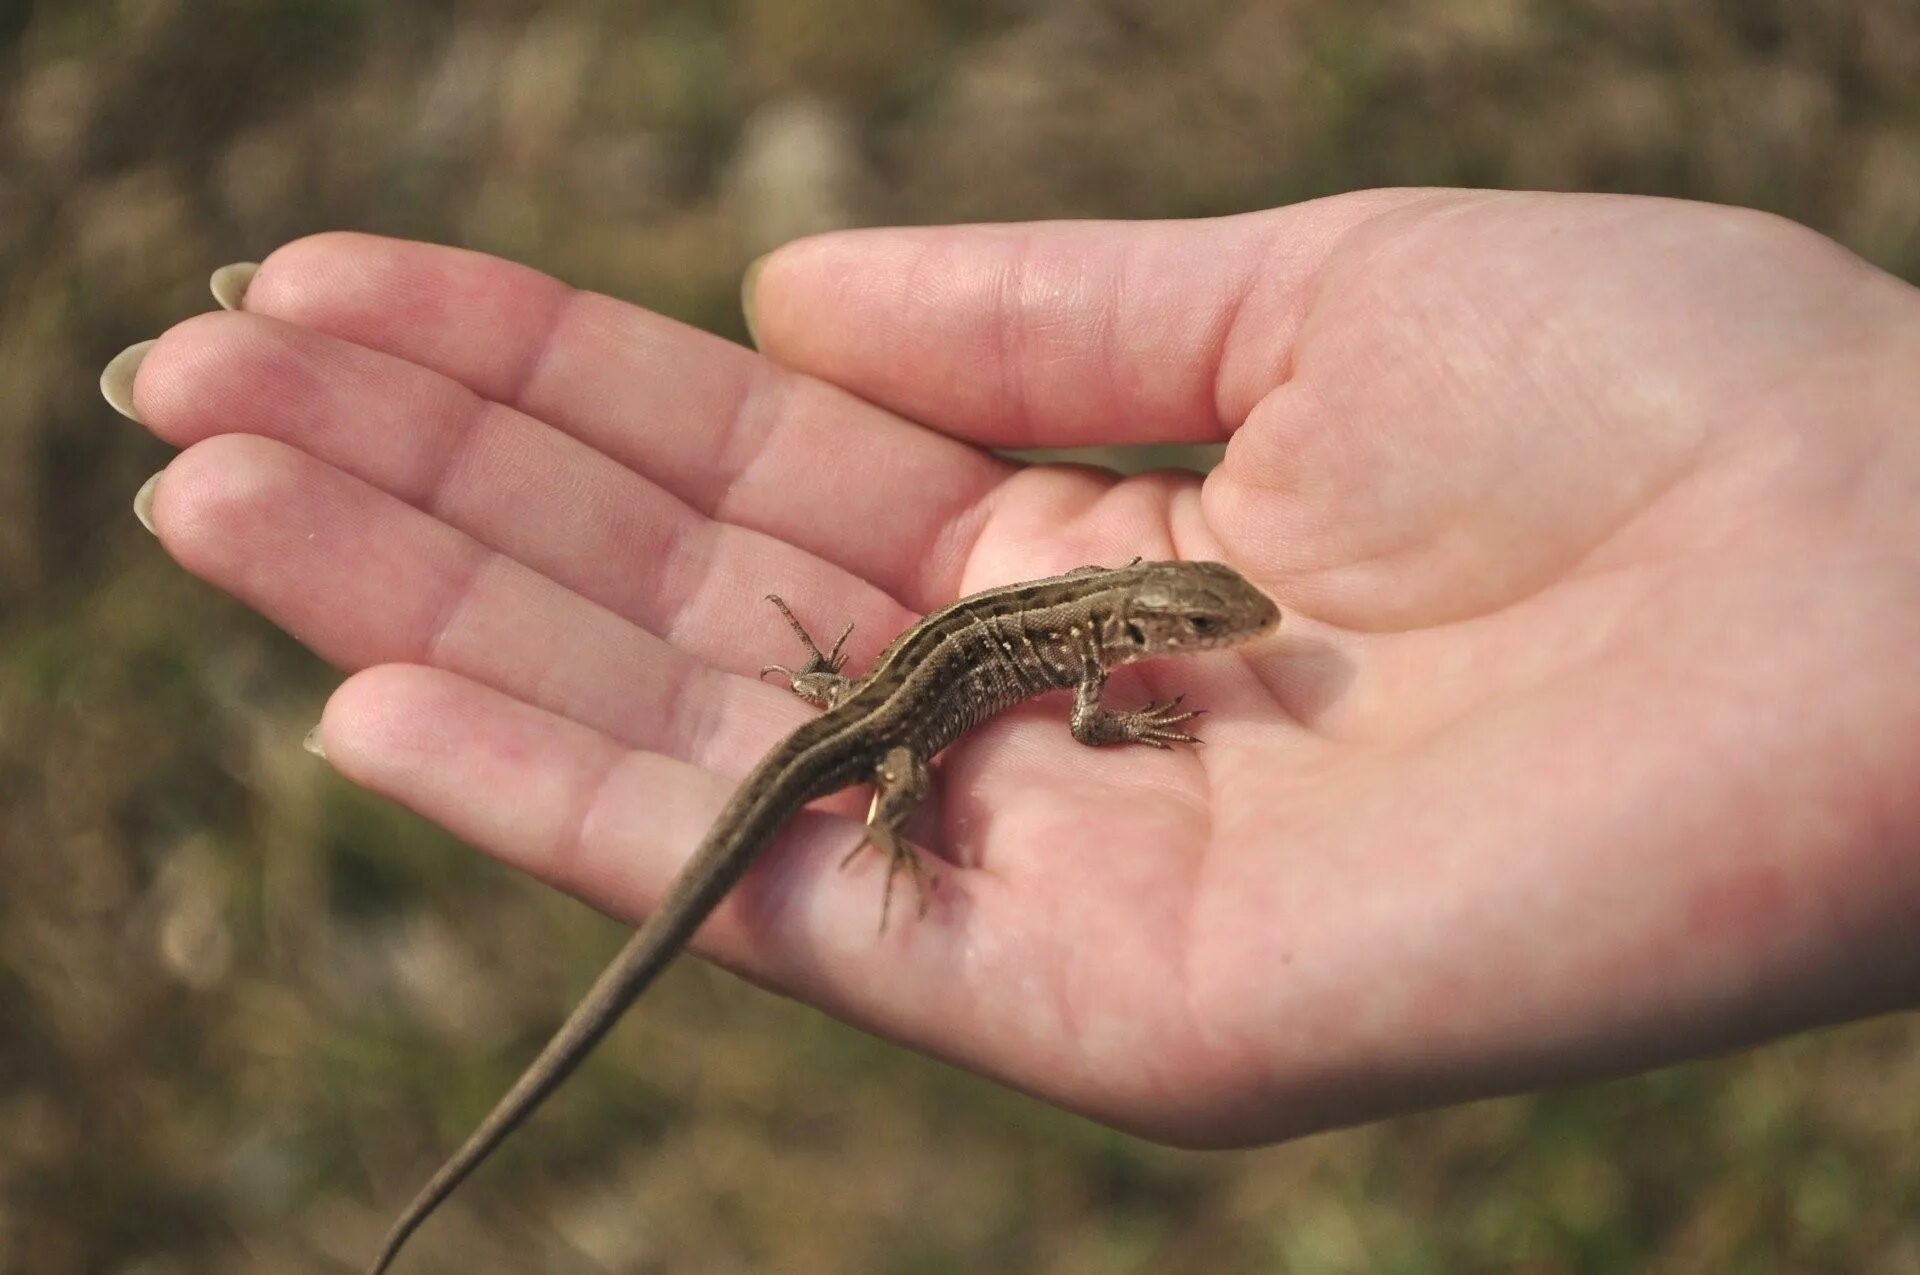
(938, 680)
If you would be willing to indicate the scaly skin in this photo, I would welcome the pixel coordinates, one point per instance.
(939, 679)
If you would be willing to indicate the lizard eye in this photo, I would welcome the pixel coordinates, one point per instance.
(1136, 634)
(1202, 623)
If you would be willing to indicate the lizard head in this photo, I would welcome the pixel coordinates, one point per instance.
(1185, 606)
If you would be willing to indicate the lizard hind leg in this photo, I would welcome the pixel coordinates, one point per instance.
(819, 681)
(900, 781)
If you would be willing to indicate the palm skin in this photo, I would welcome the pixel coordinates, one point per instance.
(1589, 740)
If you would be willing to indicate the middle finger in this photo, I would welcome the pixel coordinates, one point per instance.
(505, 479)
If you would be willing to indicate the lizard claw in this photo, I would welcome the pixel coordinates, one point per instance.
(818, 661)
(899, 856)
(1154, 724)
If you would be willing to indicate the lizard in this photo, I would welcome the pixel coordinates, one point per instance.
(940, 678)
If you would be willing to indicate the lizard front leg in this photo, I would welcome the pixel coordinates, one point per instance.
(899, 782)
(1094, 723)
(818, 681)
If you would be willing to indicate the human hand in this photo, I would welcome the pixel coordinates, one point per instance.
(1589, 741)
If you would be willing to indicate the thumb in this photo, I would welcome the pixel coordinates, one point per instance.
(1057, 334)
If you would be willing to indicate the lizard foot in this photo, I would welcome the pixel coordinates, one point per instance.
(899, 855)
(818, 681)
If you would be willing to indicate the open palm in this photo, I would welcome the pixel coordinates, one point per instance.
(1589, 740)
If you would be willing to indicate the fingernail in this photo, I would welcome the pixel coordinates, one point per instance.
(116, 381)
(143, 502)
(229, 283)
(749, 281)
(313, 744)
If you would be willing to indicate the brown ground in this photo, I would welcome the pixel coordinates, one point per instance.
(243, 1008)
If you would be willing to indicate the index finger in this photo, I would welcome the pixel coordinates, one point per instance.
(737, 438)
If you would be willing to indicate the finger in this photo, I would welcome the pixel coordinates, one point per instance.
(363, 579)
(1059, 334)
(707, 420)
(507, 480)
(613, 827)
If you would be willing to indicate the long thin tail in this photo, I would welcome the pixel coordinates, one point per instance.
(733, 842)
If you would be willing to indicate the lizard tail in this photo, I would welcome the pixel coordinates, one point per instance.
(730, 846)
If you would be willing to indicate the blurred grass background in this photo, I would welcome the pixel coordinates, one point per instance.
(244, 1009)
